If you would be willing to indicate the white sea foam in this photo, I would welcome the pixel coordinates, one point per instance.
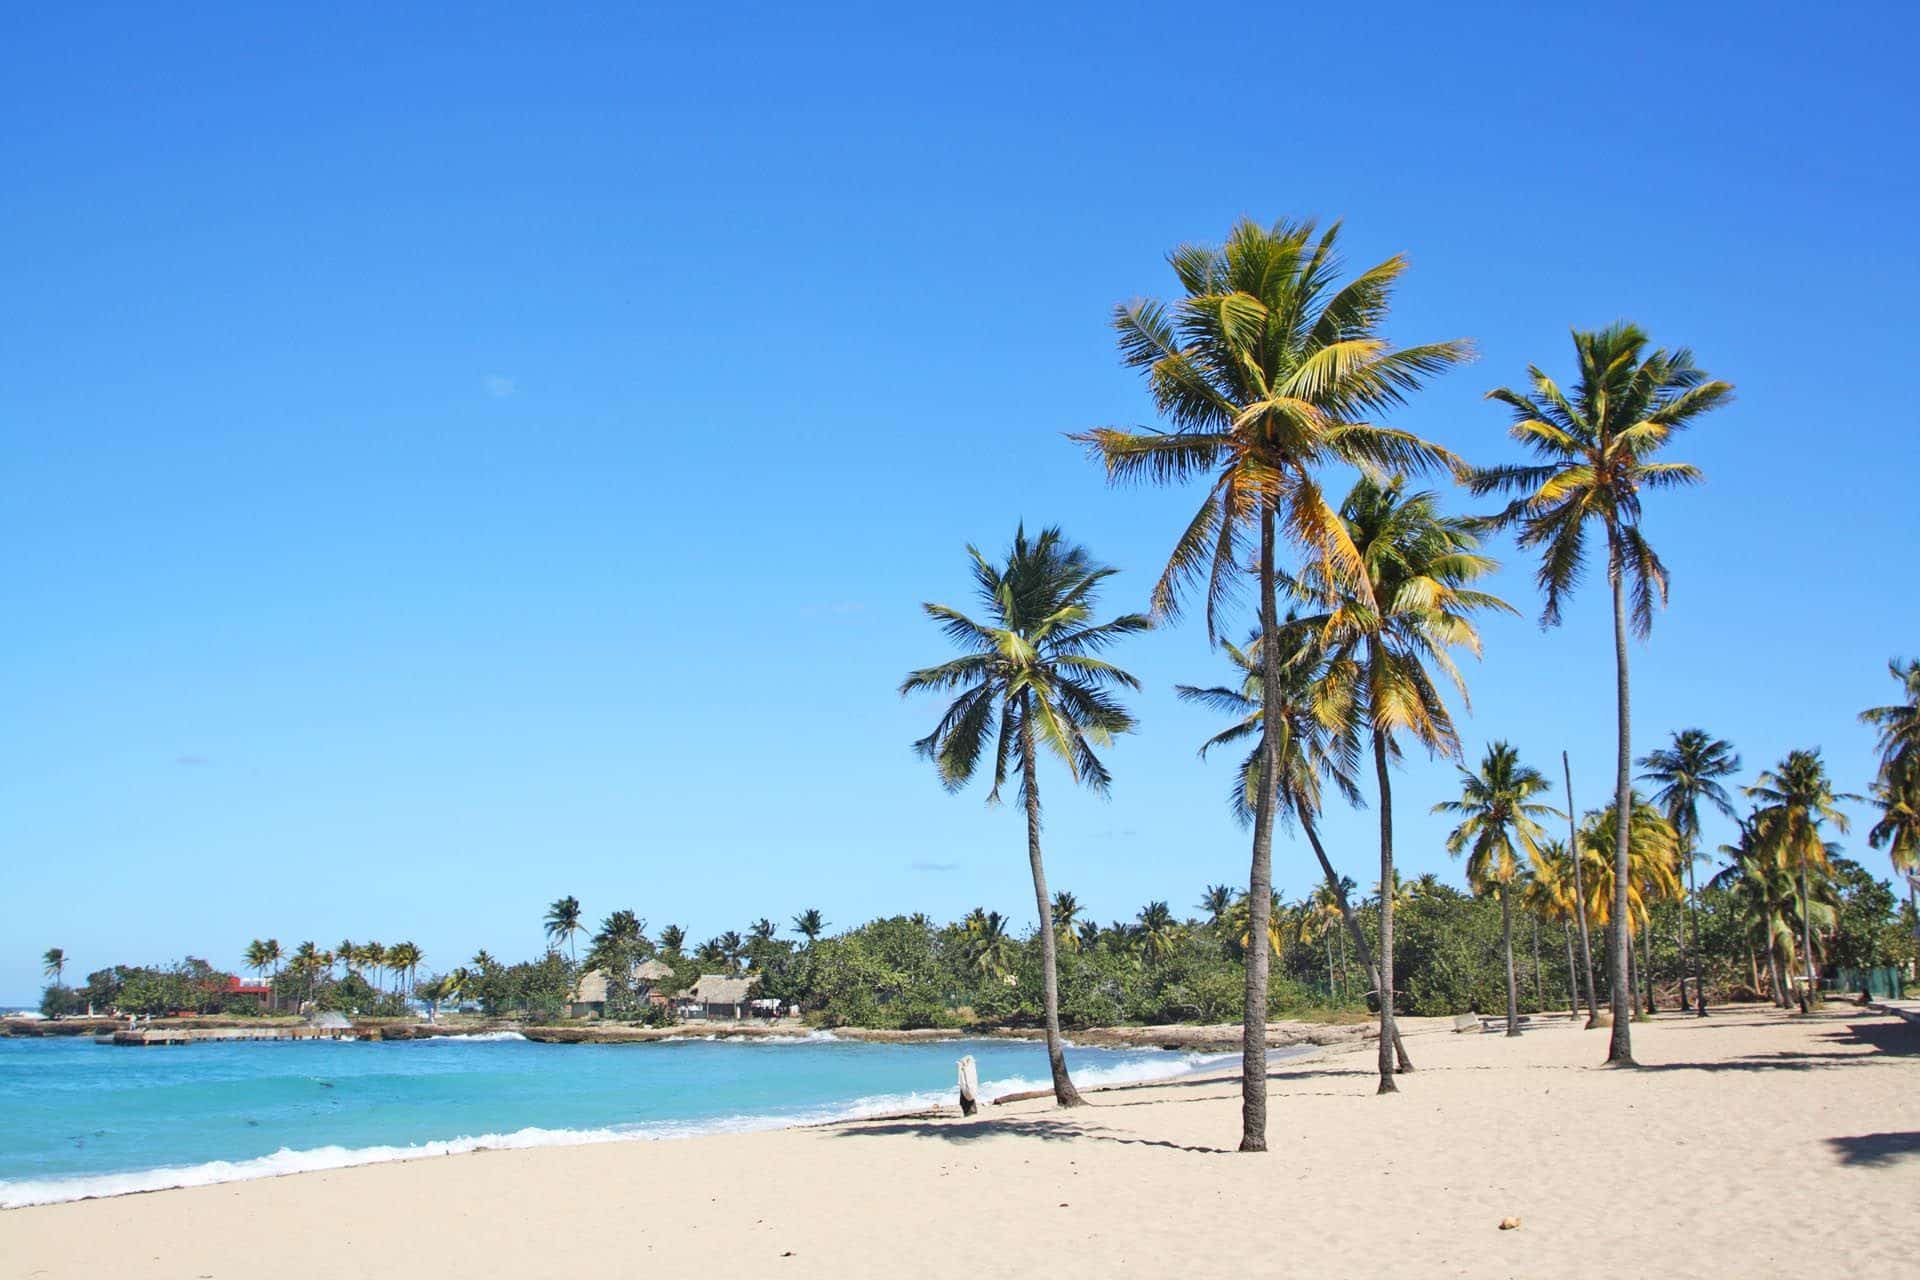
(31, 1191)
(478, 1037)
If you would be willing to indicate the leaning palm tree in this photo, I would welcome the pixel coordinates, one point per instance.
(563, 923)
(809, 924)
(1497, 808)
(53, 964)
(1031, 677)
(1683, 775)
(1385, 641)
(1269, 370)
(1595, 448)
(1307, 750)
(1796, 800)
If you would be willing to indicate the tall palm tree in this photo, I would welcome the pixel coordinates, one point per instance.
(1496, 808)
(809, 924)
(348, 955)
(1065, 915)
(1595, 449)
(1418, 603)
(270, 950)
(1031, 675)
(53, 964)
(563, 923)
(306, 964)
(1683, 775)
(404, 959)
(1763, 891)
(1306, 748)
(1796, 800)
(374, 956)
(672, 939)
(1653, 869)
(256, 959)
(1322, 918)
(732, 947)
(1269, 370)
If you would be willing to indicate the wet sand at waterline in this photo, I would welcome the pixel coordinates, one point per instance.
(1751, 1143)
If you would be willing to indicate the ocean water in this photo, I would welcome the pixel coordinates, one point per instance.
(79, 1119)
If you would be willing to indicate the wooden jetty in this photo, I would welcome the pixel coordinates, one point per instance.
(147, 1037)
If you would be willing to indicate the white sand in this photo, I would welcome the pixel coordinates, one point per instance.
(1758, 1145)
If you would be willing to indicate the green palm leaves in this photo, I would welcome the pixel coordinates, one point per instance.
(1269, 369)
(1896, 789)
(563, 921)
(1498, 811)
(1597, 452)
(1031, 672)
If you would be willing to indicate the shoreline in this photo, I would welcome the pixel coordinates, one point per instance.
(20, 1194)
(1727, 1118)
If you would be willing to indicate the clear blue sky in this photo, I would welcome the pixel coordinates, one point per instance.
(453, 461)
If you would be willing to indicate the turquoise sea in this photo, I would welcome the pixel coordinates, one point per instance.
(79, 1119)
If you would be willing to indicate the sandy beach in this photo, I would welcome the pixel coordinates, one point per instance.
(1753, 1143)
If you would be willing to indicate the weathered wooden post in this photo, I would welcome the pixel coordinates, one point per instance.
(969, 1087)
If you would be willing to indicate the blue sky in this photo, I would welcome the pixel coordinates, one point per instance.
(457, 460)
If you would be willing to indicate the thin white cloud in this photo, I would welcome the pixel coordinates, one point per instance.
(497, 386)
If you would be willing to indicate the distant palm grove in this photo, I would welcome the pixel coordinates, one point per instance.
(1340, 592)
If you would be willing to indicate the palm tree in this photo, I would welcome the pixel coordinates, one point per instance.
(1577, 884)
(1418, 603)
(1307, 750)
(1684, 774)
(1218, 898)
(711, 954)
(1321, 917)
(1269, 370)
(53, 964)
(1796, 800)
(1496, 807)
(1653, 871)
(306, 963)
(1031, 675)
(1065, 914)
(1898, 828)
(989, 947)
(762, 930)
(672, 938)
(1594, 450)
(374, 956)
(1159, 932)
(809, 924)
(348, 955)
(1763, 892)
(563, 923)
(483, 961)
(732, 947)
(270, 951)
(1086, 935)
(257, 959)
(1242, 920)
(1547, 891)
(403, 958)
(1898, 724)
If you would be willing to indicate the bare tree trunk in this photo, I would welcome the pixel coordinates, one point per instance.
(1573, 977)
(1620, 1047)
(1580, 899)
(1063, 1091)
(1693, 920)
(1360, 948)
(1753, 966)
(1388, 1031)
(1253, 1026)
(1506, 944)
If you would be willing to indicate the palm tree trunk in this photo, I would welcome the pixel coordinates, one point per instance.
(1806, 938)
(1506, 944)
(1580, 899)
(1634, 968)
(1573, 979)
(1539, 975)
(1388, 1032)
(1333, 985)
(1646, 958)
(1753, 966)
(1253, 1024)
(1620, 1047)
(1360, 948)
(1063, 1091)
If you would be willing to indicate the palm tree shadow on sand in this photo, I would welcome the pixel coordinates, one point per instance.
(1061, 1130)
(1877, 1150)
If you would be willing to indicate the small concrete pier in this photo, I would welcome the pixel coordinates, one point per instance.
(147, 1037)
